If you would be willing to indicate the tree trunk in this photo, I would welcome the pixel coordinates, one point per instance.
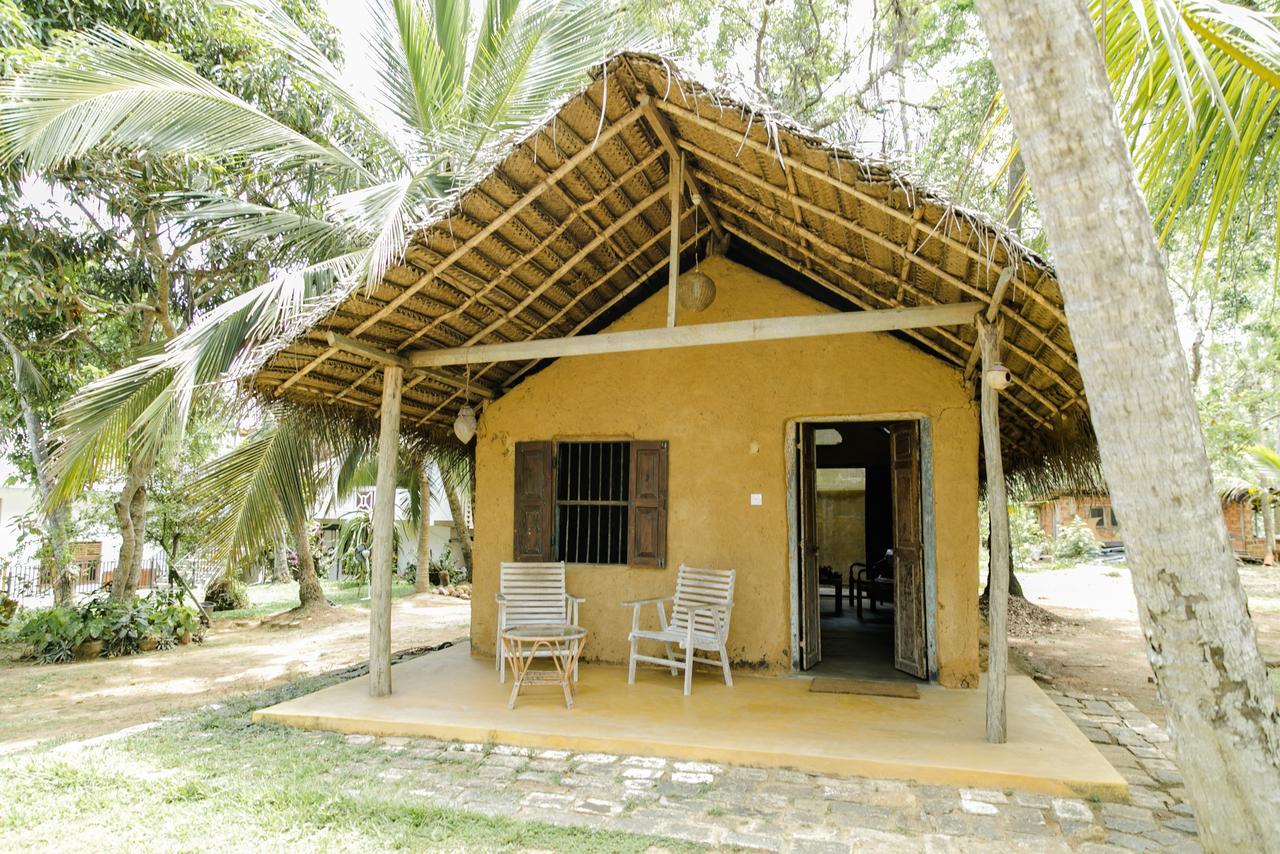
(280, 563)
(310, 593)
(63, 570)
(130, 510)
(459, 520)
(1201, 642)
(423, 580)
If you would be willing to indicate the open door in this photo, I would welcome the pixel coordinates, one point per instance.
(810, 603)
(910, 649)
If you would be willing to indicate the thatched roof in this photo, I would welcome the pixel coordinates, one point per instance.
(569, 230)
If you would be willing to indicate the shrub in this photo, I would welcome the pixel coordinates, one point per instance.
(1076, 541)
(168, 619)
(8, 607)
(54, 633)
(225, 593)
(442, 567)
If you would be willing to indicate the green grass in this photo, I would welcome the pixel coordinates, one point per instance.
(266, 600)
(212, 781)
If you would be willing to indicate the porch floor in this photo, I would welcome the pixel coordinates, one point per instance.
(761, 721)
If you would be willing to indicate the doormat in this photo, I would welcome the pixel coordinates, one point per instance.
(827, 685)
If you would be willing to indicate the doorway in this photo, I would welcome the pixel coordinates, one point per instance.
(860, 549)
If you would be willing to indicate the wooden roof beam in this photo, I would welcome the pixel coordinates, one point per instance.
(384, 358)
(704, 334)
(663, 132)
(739, 137)
(532, 194)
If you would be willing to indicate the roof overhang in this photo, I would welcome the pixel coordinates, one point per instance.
(571, 228)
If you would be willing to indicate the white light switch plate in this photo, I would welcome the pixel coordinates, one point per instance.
(756, 499)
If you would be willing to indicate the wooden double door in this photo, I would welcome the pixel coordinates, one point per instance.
(910, 628)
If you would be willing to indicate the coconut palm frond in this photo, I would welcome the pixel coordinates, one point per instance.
(278, 27)
(1199, 86)
(538, 51)
(384, 213)
(92, 434)
(248, 498)
(297, 237)
(26, 376)
(105, 90)
(1197, 83)
(143, 407)
(1266, 462)
(416, 83)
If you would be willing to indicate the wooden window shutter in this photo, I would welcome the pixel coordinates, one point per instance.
(535, 501)
(647, 519)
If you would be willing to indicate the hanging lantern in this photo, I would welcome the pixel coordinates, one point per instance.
(464, 426)
(999, 377)
(695, 290)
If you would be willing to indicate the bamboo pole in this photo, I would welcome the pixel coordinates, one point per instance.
(998, 550)
(673, 259)
(384, 520)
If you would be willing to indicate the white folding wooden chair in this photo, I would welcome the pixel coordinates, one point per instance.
(700, 613)
(533, 594)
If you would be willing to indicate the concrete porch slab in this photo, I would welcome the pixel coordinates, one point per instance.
(769, 722)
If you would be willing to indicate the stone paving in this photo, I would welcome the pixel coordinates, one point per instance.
(783, 810)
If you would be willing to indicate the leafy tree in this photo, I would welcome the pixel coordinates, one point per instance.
(163, 273)
(447, 88)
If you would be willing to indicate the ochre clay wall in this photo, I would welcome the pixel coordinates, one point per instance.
(725, 410)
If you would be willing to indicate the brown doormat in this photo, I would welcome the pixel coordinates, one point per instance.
(827, 685)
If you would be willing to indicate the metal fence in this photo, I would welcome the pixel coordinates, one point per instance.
(32, 583)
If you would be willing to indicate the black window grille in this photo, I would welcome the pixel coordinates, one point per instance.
(592, 492)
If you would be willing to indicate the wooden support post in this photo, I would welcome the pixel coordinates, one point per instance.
(998, 549)
(673, 272)
(384, 521)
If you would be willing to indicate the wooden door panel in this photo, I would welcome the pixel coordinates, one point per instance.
(909, 628)
(806, 503)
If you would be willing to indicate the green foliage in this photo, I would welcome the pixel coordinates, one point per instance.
(1028, 538)
(353, 547)
(1076, 542)
(52, 634)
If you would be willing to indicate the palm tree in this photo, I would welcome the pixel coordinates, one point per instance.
(1266, 462)
(447, 84)
(1201, 642)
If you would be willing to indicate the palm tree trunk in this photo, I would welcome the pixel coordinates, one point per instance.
(459, 518)
(422, 582)
(64, 572)
(1201, 642)
(310, 593)
(280, 562)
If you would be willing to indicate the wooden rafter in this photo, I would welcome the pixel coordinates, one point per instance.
(745, 139)
(533, 193)
(663, 132)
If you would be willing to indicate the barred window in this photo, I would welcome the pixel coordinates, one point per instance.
(592, 498)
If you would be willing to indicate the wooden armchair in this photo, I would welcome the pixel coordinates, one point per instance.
(532, 594)
(700, 613)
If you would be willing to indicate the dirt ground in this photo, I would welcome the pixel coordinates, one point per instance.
(84, 699)
(1100, 648)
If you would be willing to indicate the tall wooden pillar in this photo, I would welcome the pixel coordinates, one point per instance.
(673, 261)
(998, 550)
(384, 520)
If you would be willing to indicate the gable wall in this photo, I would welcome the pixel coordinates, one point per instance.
(725, 410)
